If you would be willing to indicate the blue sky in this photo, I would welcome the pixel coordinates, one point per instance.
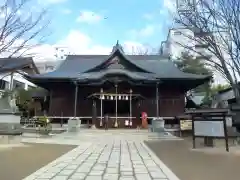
(124, 20)
(94, 26)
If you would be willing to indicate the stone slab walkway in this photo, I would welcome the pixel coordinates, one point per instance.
(114, 158)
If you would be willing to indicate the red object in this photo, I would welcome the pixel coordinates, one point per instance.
(144, 120)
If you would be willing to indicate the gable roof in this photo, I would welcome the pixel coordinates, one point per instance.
(74, 65)
(17, 63)
(150, 66)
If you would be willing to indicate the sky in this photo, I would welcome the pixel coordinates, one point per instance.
(93, 26)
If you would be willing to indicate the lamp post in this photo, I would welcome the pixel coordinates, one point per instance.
(130, 101)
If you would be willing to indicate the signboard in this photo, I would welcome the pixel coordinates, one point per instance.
(209, 128)
(186, 124)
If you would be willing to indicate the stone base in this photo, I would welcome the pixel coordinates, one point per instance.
(10, 139)
(74, 125)
(93, 126)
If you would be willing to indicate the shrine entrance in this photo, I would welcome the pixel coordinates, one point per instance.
(119, 108)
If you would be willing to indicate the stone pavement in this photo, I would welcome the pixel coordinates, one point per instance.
(111, 157)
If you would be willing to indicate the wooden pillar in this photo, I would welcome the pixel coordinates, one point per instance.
(101, 101)
(75, 99)
(50, 103)
(130, 101)
(116, 99)
(11, 81)
(94, 114)
(139, 114)
(157, 100)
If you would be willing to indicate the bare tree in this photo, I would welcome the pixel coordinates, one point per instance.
(20, 28)
(215, 26)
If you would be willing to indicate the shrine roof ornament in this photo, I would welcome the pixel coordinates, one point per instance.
(117, 47)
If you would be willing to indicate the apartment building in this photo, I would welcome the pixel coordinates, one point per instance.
(181, 40)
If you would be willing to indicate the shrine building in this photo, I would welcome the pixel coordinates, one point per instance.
(120, 85)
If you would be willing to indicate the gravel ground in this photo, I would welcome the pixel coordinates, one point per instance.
(190, 164)
(18, 162)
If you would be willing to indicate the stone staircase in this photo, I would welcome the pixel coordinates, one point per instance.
(127, 134)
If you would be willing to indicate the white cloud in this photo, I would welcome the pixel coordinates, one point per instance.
(66, 11)
(132, 47)
(77, 42)
(170, 5)
(148, 16)
(89, 17)
(51, 1)
(162, 11)
(144, 32)
(80, 43)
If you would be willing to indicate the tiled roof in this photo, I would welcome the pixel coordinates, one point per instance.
(10, 64)
(79, 66)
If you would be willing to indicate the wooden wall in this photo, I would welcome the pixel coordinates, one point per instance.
(171, 101)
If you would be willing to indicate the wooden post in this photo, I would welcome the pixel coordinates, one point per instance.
(75, 100)
(61, 119)
(94, 116)
(101, 101)
(116, 91)
(50, 102)
(11, 81)
(130, 101)
(157, 100)
(225, 132)
(193, 132)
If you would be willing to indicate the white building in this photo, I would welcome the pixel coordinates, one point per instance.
(181, 40)
(12, 70)
(18, 81)
(47, 65)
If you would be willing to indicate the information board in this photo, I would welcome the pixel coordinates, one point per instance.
(186, 124)
(209, 128)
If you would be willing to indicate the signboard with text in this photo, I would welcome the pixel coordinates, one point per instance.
(209, 128)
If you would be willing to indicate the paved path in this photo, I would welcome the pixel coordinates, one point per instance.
(115, 156)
